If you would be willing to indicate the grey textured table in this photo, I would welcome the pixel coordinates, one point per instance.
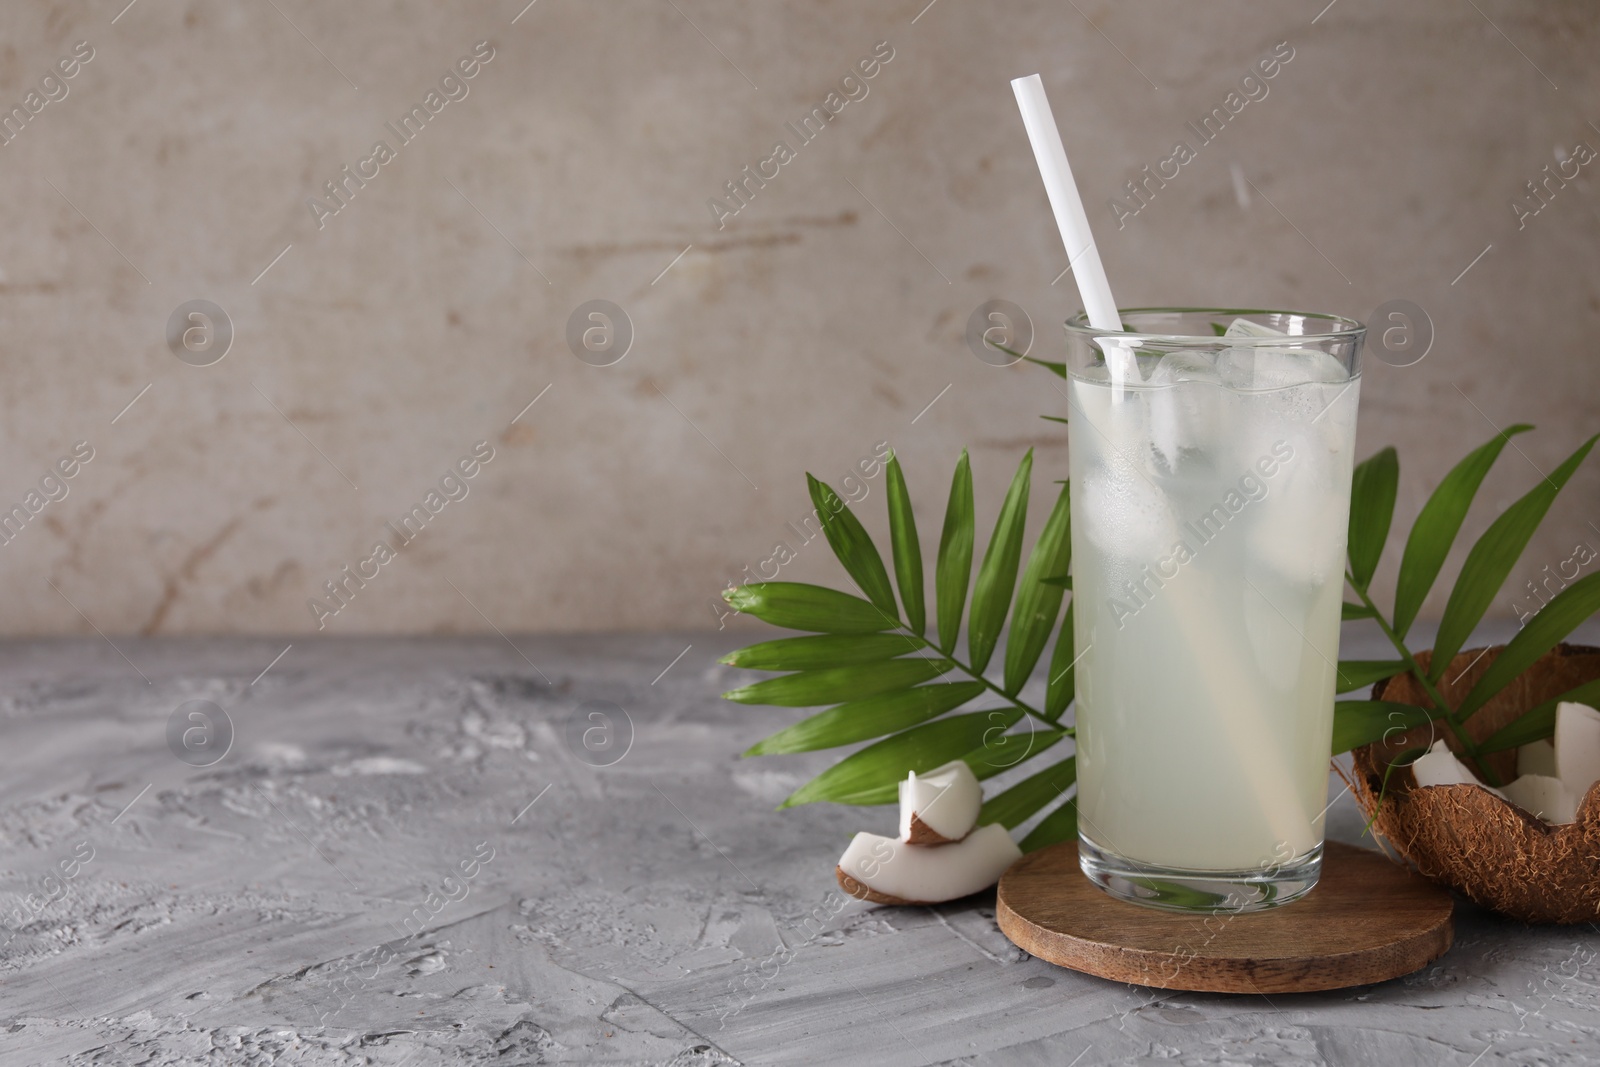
(362, 879)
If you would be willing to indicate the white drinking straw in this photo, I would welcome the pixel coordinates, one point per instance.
(1083, 258)
(1071, 219)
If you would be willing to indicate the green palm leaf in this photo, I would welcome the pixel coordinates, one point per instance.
(1022, 801)
(954, 569)
(1539, 722)
(1357, 673)
(1372, 492)
(997, 575)
(1060, 825)
(1544, 631)
(1492, 558)
(1061, 686)
(1038, 597)
(862, 720)
(820, 650)
(1437, 525)
(987, 760)
(880, 766)
(797, 606)
(851, 543)
(833, 684)
(1361, 722)
(907, 549)
(1002, 751)
(1058, 369)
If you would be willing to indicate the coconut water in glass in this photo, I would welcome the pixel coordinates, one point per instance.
(1211, 456)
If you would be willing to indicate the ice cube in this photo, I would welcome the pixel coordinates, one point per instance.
(1186, 408)
(1124, 514)
(1297, 532)
(1246, 328)
(1185, 367)
(1261, 369)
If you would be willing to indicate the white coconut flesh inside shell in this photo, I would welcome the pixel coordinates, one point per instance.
(919, 874)
(1553, 776)
(1537, 757)
(941, 805)
(1577, 747)
(1542, 795)
(1439, 766)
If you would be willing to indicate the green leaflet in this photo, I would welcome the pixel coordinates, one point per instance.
(1555, 621)
(1437, 525)
(820, 650)
(1372, 492)
(850, 542)
(1357, 673)
(1356, 611)
(1000, 752)
(1536, 724)
(1058, 369)
(861, 720)
(1539, 722)
(954, 569)
(1038, 597)
(997, 575)
(834, 684)
(871, 776)
(1061, 686)
(1492, 558)
(1060, 825)
(1361, 722)
(1022, 801)
(907, 550)
(797, 606)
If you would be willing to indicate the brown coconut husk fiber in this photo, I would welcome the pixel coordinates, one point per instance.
(1465, 837)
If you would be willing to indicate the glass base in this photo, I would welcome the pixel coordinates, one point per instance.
(1176, 889)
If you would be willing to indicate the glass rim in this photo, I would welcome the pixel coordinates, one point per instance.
(1344, 328)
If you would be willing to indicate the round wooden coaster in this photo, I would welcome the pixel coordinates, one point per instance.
(1366, 921)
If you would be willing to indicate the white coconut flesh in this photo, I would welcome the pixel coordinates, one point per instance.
(1577, 745)
(945, 800)
(1537, 757)
(1439, 766)
(918, 874)
(1542, 795)
(1553, 776)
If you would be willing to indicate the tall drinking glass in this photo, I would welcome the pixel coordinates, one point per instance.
(1211, 457)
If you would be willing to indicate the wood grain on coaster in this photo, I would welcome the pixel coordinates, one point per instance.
(1366, 921)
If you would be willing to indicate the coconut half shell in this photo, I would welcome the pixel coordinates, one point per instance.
(1463, 836)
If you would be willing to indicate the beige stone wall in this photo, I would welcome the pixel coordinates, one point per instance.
(820, 319)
